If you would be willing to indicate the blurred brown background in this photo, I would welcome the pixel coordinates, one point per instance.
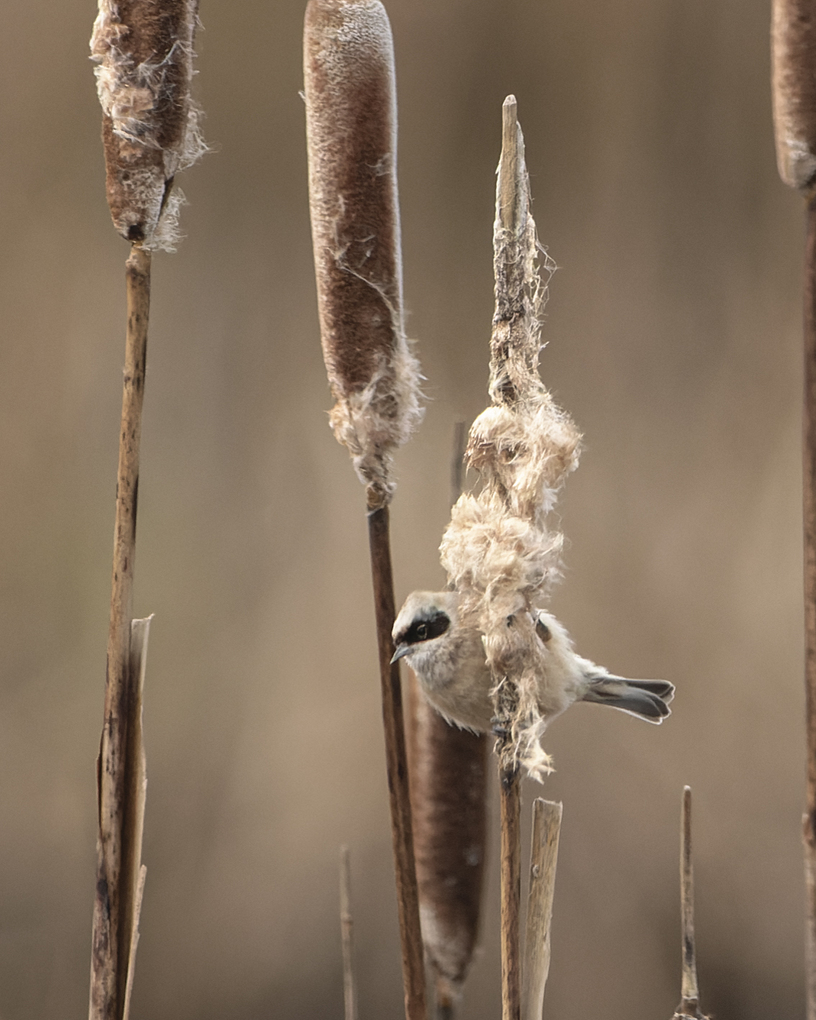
(674, 340)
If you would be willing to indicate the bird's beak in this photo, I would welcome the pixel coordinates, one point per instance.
(398, 654)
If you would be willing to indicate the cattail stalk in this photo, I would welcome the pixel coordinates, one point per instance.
(793, 53)
(346, 937)
(498, 551)
(510, 814)
(543, 861)
(143, 55)
(113, 902)
(448, 801)
(351, 138)
(689, 1008)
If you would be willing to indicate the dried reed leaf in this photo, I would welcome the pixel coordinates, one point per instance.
(143, 51)
(351, 121)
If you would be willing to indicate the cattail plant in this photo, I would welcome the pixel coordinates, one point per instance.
(448, 769)
(143, 52)
(498, 551)
(689, 1007)
(793, 57)
(352, 146)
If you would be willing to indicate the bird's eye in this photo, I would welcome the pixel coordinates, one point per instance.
(422, 631)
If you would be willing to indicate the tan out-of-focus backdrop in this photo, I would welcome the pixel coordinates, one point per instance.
(674, 340)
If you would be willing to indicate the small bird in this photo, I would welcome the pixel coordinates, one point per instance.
(449, 660)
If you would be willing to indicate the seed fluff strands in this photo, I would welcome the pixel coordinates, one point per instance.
(449, 801)
(351, 134)
(793, 53)
(497, 550)
(143, 52)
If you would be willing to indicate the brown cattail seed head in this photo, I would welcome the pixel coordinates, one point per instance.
(143, 51)
(793, 53)
(351, 121)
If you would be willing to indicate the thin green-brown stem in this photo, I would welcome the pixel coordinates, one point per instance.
(809, 521)
(509, 792)
(397, 768)
(110, 950)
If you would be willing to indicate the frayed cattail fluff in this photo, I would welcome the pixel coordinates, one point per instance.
(793, 53)
(498, 551)
(143, 51)
(351, 123)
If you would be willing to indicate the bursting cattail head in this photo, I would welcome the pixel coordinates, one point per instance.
(143, 53)
(352, 142)
(793, 53)
(499, 554)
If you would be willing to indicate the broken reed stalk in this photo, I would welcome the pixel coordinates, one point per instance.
(448, 779)
(351, 139)
(143, 55)
(543, 862)
(793, 53)
(346, 937)
(689, 1008)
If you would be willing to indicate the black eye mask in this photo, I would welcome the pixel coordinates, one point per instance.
(424, 630)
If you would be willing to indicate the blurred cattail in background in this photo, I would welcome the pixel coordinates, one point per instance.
(449, 801)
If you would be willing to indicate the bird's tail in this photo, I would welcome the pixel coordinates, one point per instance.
(647, 699)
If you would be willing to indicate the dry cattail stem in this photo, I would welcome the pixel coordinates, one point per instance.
(143, 50)
(448, 801)
(111, 932)
(413, 974)
(689, 1008)
(793, 52)
(510, 810)
(809, 517)
(346, 936)
(351, 133)
(543, 861)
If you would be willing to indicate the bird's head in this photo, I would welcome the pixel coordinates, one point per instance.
(423, 620)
